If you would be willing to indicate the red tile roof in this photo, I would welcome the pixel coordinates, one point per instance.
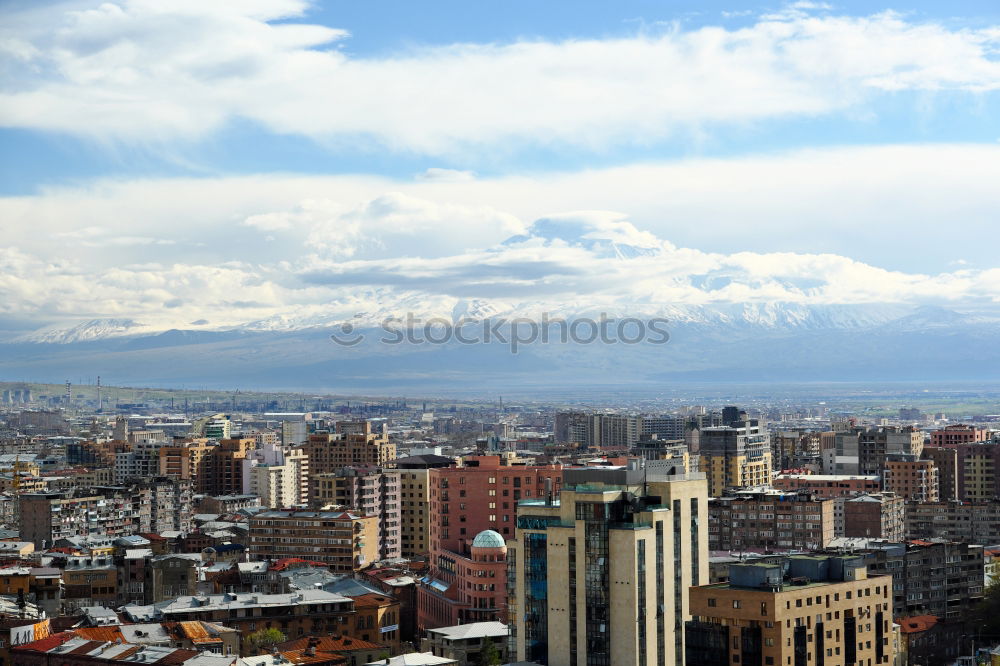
(339, 643)
(111, 634)
(917, 623)
(286, 562)
(47, 643)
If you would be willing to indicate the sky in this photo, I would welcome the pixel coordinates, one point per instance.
(274, 162)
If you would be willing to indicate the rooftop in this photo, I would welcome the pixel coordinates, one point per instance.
(491, 629)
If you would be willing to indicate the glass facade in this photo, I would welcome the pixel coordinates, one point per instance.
(661, 648)
(678, 588)
(573, 652)
(596, 517)
(535, 597)
(640, 610)
(695, 564)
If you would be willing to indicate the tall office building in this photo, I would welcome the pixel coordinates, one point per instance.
(737, 455)
(600, 574)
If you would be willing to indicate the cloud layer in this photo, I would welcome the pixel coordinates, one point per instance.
(287, 251)
(143, 71)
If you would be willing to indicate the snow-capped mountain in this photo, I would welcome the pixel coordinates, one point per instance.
(92, 329)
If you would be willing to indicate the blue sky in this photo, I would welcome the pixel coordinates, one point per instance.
(29, 158)
(235, 150)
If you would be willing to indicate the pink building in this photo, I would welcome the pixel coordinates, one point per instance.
(958, 434)
(827, 486)
(467, 577)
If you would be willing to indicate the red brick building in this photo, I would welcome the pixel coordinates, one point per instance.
(466, 582)
(958, 434)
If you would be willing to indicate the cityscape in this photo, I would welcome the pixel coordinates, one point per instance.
(564, 333)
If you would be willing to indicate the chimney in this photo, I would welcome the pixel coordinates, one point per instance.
(548, 492)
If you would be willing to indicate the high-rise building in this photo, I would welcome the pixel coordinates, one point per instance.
(600, 573)
(415, 501)
(48, 517)
(946, 463)
(806, 611)
(977, 470)
(735, 456)
(941, 578)
(865, 450)
(366, 490)
(970, 522)
(227, 466)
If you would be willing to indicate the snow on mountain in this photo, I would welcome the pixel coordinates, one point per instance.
(94, 329)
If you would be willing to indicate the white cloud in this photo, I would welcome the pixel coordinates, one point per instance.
(145, 71)
(826, 227)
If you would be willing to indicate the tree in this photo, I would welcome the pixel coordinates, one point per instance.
(489, 655)
(985, 617)
(265, 639)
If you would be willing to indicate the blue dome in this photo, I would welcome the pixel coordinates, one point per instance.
(489, 539)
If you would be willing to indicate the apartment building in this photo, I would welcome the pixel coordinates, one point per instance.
(478, 495)
(875, 516)
(737, 455)
(415, 501)
(354, 443)
(366, 490)
(346, 542)
(970, 522)
(770, 520)
(827, 486)
(806, 611)
(940, 578)
(911, 478)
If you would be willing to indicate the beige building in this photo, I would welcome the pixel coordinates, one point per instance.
(911, 478)
(354, 443)
(735, 456)
(820, 610)
(344, 541)
(601, 573)
(415, 501)
(189, 460)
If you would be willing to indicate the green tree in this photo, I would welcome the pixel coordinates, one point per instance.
(984, 620)
(489, 655)
(264, 639)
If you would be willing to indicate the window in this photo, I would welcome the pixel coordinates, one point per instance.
(711, 602)
(737, 603)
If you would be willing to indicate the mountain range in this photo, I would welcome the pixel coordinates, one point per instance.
(728, 343)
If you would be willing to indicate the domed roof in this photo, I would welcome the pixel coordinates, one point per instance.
(489, 539)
